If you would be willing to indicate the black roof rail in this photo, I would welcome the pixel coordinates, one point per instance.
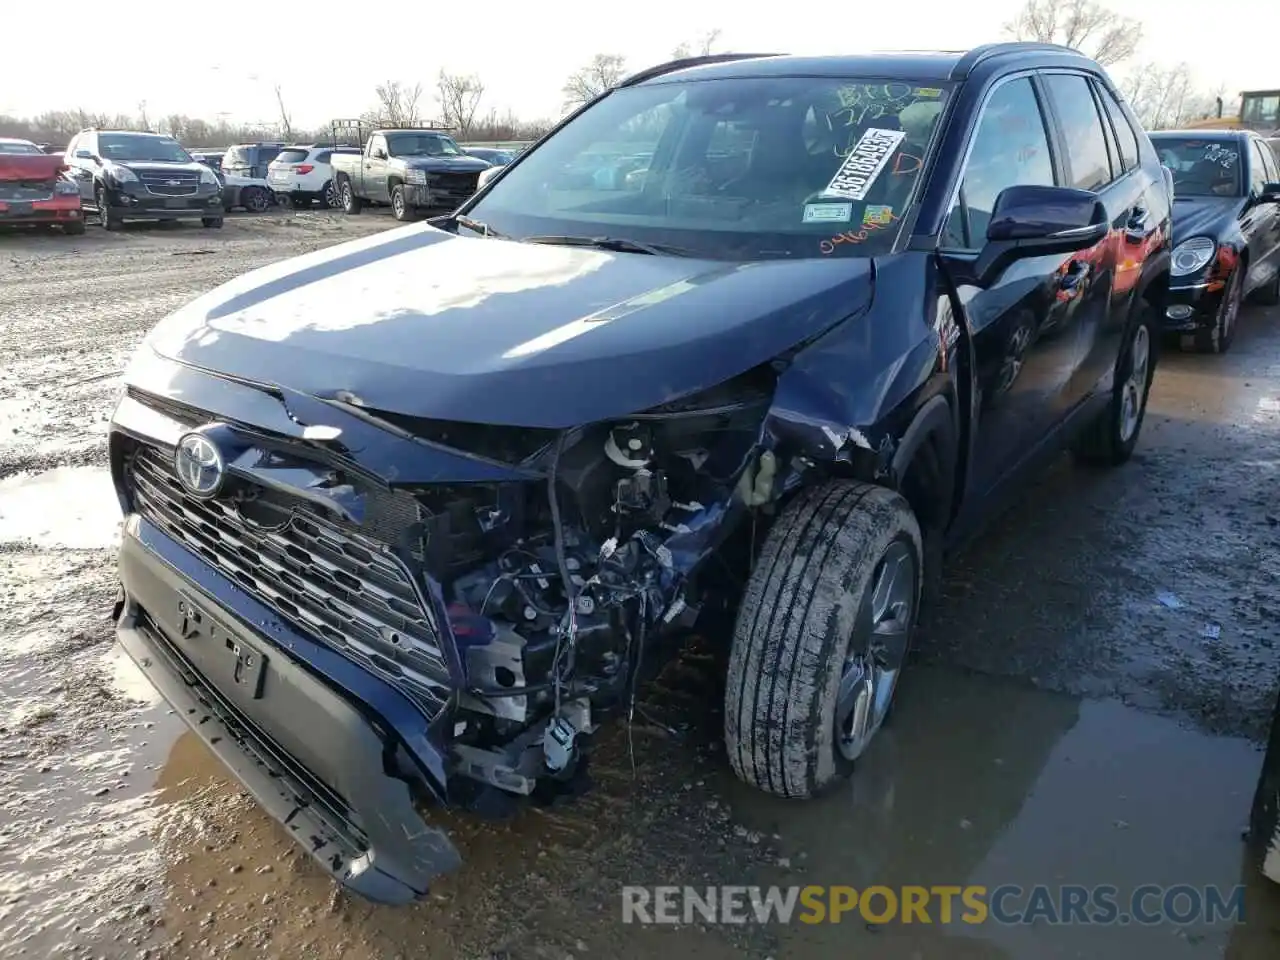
(684, 62)
(965, 65)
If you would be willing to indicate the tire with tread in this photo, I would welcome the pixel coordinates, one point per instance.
(211, 223)
(108, 220)
(1218, 339)
(1100, 444)
(73, 228)
(351, 204)
(400, 206)
(794, 629)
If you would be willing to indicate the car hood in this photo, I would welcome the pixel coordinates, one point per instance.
(420, 322)
(29, 166)
(445, 164)
(1204, 216)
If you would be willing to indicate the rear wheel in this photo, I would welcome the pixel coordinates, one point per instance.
(351, 204)
(73, 227)
(1110, 439)
(255, 199)
(821, 637)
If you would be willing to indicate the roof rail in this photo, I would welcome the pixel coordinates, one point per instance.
(965, 65)
(684, 62)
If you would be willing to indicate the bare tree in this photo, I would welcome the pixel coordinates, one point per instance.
(286, 123)
(701, 47)
(459, 98)
(142, 115)
(603, 72)
(1167, 97)
(398, 103)
(1083, 25)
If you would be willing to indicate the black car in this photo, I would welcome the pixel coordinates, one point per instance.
(408, 518)
(1226, 231)
(130, 175)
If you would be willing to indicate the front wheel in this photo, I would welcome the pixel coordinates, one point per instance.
(109, 220)
(1217, 339)
(73, 228)
(400, 207)
(211, 223)
(1109, 441)
(821, 637)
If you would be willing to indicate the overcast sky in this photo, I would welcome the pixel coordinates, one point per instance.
(327, 56)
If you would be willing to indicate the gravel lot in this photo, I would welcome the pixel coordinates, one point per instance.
(1084, 706)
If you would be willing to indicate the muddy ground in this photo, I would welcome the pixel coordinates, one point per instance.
(1084, 705)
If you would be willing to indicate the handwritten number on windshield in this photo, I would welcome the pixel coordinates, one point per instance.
(828, 246)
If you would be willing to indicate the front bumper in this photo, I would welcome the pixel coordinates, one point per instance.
(311, 750)
(135, 201)
(1193, 306)
(430, 195)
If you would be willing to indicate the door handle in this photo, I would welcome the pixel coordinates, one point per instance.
(1136, 226)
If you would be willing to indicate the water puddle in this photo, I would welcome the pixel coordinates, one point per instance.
(73, 507)
(985, 782)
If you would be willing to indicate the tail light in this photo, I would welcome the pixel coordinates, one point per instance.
(304, 168)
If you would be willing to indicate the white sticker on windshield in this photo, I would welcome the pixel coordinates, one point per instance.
(864, 164)
(828, 212)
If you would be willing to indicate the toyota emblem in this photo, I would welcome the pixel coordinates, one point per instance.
(199, 465)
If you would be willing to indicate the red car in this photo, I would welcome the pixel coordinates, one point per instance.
(34, 190)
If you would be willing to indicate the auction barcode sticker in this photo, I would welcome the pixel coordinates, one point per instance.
(865, 162)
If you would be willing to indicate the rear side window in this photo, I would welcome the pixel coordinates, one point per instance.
(292, 156)
(267, 154)
(1124, 132)
(1273, 165)
(1010, 149)
(234, 155)
(1089, 164)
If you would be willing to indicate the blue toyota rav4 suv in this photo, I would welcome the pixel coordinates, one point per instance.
(408, 517)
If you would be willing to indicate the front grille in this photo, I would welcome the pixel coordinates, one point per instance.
(22, 191)
(335, 585)
(178, 183)
(453, 185)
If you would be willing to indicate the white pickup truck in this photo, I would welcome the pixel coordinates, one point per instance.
(412, 169)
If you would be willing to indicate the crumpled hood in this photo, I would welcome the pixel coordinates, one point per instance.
(1203, 216)
(420, 322)
(446, 164)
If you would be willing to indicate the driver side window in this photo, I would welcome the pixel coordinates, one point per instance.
(378, 143)
(1010, 148)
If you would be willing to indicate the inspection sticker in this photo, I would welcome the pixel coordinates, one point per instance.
(864, 164)
(828, 212)
(877, 216)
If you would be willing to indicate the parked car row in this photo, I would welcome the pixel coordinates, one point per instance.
(34, 188)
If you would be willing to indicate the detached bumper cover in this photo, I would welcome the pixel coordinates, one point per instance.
(314, 758)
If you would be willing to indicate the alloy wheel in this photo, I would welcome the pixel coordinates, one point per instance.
(1134, 392)
(877, 651)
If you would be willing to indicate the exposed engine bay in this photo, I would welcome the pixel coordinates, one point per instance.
(555, 591)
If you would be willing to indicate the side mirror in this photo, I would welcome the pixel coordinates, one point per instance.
(1036, 222)
(1270, 192)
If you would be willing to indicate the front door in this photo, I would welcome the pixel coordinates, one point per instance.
(375, 170)
(1025, 326)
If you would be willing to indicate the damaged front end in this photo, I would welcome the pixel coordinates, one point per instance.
(482, 596)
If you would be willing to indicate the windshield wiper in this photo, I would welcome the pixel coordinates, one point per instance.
(479, 226)
(620, 244)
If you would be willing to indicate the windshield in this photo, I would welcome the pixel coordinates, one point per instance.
(421, 145)
(123, 146)
(18, 147)
(1201, 168)
(735, 169)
